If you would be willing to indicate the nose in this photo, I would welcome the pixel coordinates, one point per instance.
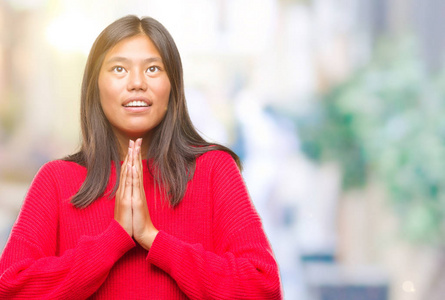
(137, 81)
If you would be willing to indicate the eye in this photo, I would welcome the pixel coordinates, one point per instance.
(153, 69)
(118, 69)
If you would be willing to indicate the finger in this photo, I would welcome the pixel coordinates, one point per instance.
(128, 184)
(122, 176)
(139, 201)
(138, 163)
(136, 183)
(133, 147)
(135, 154)
(136, 190)
(139, 144)
(137, 170)
(122, 210)
(140, 174)
(124, 172)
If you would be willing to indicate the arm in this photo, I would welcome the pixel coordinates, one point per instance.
(242, 265)
(30, 265)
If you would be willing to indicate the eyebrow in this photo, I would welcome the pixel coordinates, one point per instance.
(126, 60)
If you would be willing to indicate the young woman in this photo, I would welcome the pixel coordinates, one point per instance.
(146, 209)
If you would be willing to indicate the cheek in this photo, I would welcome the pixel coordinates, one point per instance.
(102, 89)
(107, 91)
(164, 91)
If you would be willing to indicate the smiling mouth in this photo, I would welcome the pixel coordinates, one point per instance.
(137, 104)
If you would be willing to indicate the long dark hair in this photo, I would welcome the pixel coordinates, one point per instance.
(175, 143)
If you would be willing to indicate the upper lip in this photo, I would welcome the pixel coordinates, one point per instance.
(143, 99)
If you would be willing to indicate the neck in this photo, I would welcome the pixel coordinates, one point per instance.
(124, 143)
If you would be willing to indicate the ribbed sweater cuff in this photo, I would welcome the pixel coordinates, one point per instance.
(164, 250)
(116, 240)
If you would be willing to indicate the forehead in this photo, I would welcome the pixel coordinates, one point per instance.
(134, 48)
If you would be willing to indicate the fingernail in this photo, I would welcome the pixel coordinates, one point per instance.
(139, 142)
(131, 143)
(138, 149)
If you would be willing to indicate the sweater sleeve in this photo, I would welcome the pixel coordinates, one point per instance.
(30, 266)
(242, 265)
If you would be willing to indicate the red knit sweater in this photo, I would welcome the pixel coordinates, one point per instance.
(211, 246)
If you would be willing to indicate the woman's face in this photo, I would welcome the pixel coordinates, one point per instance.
(134, 88)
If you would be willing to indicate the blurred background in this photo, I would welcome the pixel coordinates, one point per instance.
(334, 106)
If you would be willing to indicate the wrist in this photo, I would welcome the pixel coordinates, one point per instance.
(148, 239)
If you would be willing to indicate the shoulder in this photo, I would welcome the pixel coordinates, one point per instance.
(57, 169)
(217, 164)
(61, 166)
(215, 158)
(57, 179)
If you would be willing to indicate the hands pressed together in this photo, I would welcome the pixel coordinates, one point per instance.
(131, 210)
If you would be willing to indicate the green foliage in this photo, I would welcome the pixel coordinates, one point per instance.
(388, 121)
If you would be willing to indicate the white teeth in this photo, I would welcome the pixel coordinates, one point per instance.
(136, 104)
